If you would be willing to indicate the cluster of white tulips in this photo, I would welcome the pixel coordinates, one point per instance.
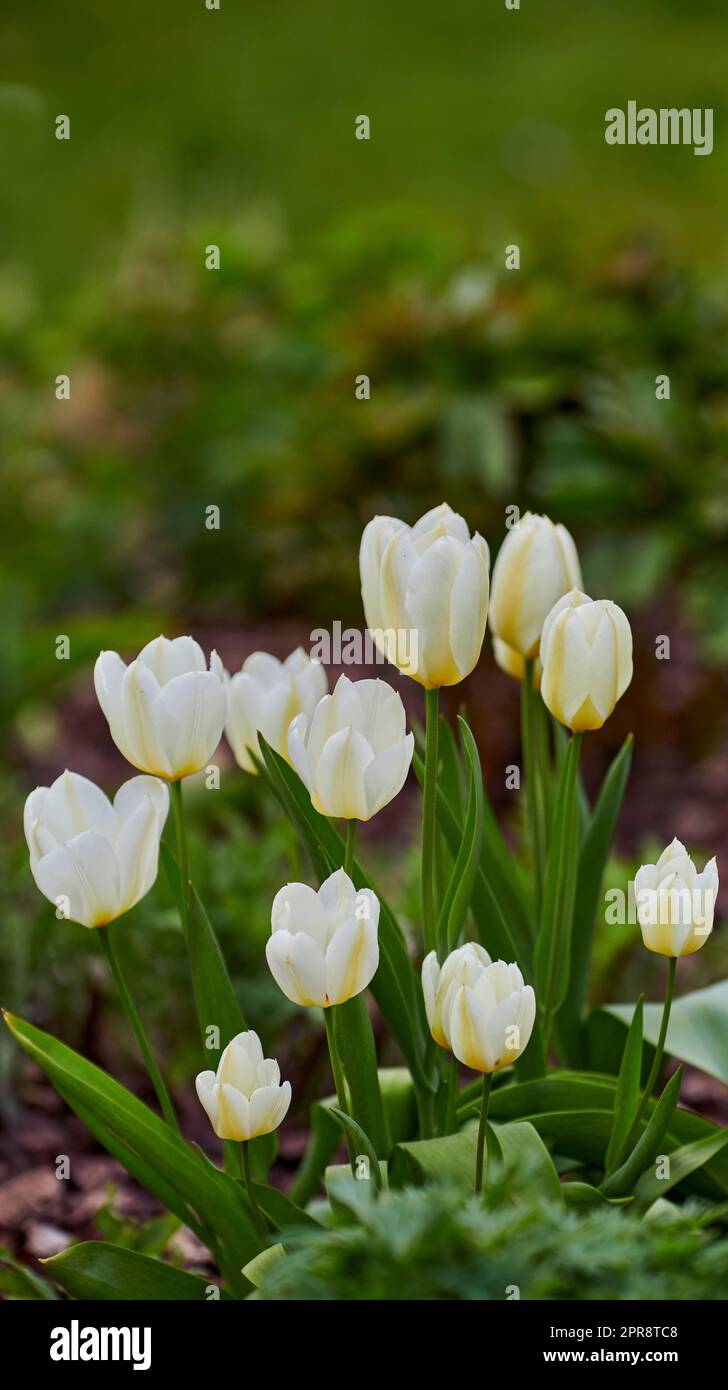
(168, 709)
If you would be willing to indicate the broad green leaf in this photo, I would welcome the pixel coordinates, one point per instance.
(355, 1041)
(518, 1142)
(169, 1164)
(452, 1158)
(698, 1028)
(395, 986)
(349, 1195)
(451, 775)
(19, 1282)
(593, 858)
(97, 1271)
(255, 1269)
(280, 1209)
(362, 1142)
(465, 866)
(551, 958)
(648, 1145)
(683, 1162)
(582, 1194)
(627, 1095)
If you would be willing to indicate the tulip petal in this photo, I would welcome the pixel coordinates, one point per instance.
(298, 908)
(339, 776)
(85, 872)
(189, 714)
(297, 966)
(387, 774)
(352, 958)
(268, 1106)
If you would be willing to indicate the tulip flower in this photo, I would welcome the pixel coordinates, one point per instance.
(514, 664)
(675, 904)
(244, 1098)
(165, 710)
(353, 754)
(95, 859)
(264, 696)
(586, 656)
(425, 594)
(537, 564)
(323, 948)
(491, 1021)
(440, 984)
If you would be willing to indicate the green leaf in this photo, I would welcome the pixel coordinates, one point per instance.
(593, 858)
(19, 1282)
(255, 1269)
(280, 1209)
(396, 986)
(627, 1095)
(459, 891)
(683, 1162)
(519, 1142)
(207, 1199)
(324, 1137)
(582, 1194)
(648, 1144)
(364, 1146)
(452, 778)
(698, 1028)
(97, 1271)
(355, 1041)
(551, 959)
(452, 1158)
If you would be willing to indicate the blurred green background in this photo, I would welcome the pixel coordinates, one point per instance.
(192, 387)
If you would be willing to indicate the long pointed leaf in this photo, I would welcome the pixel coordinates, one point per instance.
(627, 1095)
(648, 1145)
(551, 958)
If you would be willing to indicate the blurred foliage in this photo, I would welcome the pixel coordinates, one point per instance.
(434, 1244)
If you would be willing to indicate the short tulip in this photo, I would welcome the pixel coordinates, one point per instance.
(586, 659)
(244, 1098)
(323, 948)
(265, 696)
(95, 860)
(353, 754)
(165, 710)
(491, 1021)
(537, 564)
(675, 904)
(440, 984)
(425, 594)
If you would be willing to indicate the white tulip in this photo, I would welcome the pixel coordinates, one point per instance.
(95, 860)
(513, 663)
(165, 710)
(491, 1021)
(425, 594)
(353, 755)
(264, 696)
(675, 904)
(537, 564)
(586, 659)
(440, 984)
(323, 946)
(244, 1098)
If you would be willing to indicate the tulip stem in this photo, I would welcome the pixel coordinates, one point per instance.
(656, 1067)
(429, 802)
(255, 1211)
(481, 1153)
(535, 805)
(349, 851)
(140, 1036)
(337, 1072)
(182, 858)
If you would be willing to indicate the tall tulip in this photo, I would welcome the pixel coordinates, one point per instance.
(95, 858)
(353, 754)
(264, 696)
(536, 565)
(676, 904)
(165, 710)
(323, 948)
(244, 1098)
(425, 594)
(586, 656)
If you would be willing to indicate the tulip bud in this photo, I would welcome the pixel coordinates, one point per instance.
(675, 904)
(353, 755)
(491, 1021)
(245, 1097)
(166, 710)
(323, 948)
(264, 696)
(586, 656)
(425, 594)
(440, 984)
(93, 859)
(537, 564)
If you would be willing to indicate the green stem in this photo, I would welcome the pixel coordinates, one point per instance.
(659, 1051)
(155, 1075)
(429, 800)
(534, 784)
(481, 1153)
(248, 1180)
(337, 1072)
(349, 851)
(182, 859)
